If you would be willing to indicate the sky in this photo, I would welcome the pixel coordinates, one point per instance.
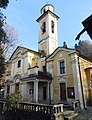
(22, 14)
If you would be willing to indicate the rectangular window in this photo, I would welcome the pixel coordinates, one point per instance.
(62, 67)
(19, 63)
(70, 92)
(52, 26)
(44, 68)
(43, 27)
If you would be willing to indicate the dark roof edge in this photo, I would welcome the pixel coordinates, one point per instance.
(23, 48)
(47, 5)
(58, 48)
(48, 11)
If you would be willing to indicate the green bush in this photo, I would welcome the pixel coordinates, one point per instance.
(13, 101)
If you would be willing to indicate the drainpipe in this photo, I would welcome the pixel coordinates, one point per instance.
(81, 84)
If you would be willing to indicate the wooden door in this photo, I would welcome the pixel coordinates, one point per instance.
(62, 91)
(17, 87)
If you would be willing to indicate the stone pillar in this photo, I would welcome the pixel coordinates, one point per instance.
(77, 80)
(49, 93)
(12, 70)
(20, 88)
(36, 91)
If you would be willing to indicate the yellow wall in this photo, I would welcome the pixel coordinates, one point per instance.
(85, 75)
(28, 60)
(83, 65)
(62, 55)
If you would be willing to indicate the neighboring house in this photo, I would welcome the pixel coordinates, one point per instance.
(51, 74)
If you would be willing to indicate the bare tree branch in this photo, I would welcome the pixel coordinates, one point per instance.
(12, 40)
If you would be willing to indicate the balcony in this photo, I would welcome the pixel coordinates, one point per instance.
(34, 72)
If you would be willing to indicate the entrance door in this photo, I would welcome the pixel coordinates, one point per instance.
(62, 91)
(44, 93)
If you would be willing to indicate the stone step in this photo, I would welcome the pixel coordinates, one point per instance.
(69, 115)
(67, 106)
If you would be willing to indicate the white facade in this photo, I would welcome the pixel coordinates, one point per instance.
(27, 76)
(48, 41)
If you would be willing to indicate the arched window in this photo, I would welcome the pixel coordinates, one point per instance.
(33, 62)
(52, 26)
(43, 27)
(19, 63)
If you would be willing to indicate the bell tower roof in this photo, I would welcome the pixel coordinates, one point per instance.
(48, 8)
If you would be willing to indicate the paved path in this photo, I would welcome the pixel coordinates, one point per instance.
(85, 115)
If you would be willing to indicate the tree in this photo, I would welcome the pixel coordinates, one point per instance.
(2, 41)
(13, 101)
(2, 62)
(7, 38)
(4, 3)
(3, 38)
(12, 40)
(85, 47)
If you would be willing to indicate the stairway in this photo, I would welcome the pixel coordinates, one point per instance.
(66, 105)
(69, 113)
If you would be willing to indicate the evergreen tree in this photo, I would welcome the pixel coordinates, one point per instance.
(4, 3)
(85, 47)
(2, 62)
(3, 38)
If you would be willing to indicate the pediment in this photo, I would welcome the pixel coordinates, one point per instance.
(60, 52)
(18, 52)
(62, 80)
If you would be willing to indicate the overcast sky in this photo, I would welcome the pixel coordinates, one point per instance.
(22, 14)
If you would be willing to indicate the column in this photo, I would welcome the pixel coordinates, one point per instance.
(25, 91)
(12, 70)
(36, 91)
(49, 92)
(20, 88)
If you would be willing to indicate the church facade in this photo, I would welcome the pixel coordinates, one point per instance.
(52, 74)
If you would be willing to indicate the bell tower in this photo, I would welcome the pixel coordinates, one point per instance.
(48, 37)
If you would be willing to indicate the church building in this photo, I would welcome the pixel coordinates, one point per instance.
(52, 74)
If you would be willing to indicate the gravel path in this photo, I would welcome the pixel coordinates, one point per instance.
(85, 115)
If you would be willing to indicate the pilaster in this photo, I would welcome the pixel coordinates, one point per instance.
(36, 91)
